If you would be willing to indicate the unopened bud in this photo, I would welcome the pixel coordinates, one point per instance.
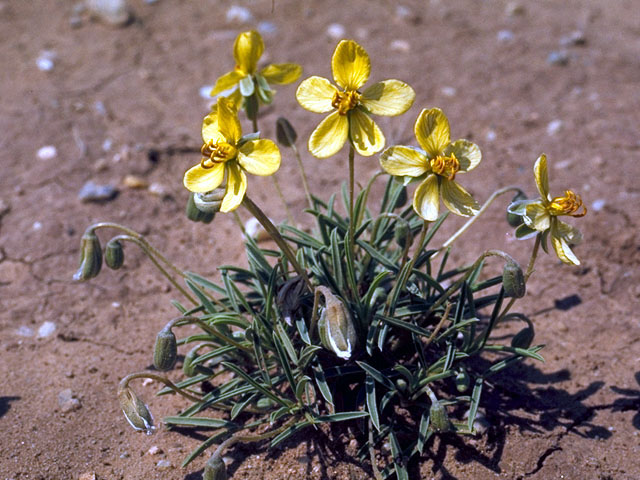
(337, 332)
(114, 254)
(402, 198)
(463, 381)
(215, 469)
(285, 133)
(165, 351)
(209, 202)
(523, 338)
(401, 233)
(90, 257)
(136, 412)
(513, 219)
(439, 418)
(513, 280)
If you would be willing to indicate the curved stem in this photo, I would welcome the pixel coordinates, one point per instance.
(125, 382)
(276, 185)
(472, 220)
(305, 183)
(185, 320)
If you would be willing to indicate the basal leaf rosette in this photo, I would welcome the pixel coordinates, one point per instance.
(227, 155)
(436, 164)
(349, 106)
(541, 215)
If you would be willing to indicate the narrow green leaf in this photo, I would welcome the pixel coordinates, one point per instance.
(321, 381)
(286, 342)
(377, 375)
(203, 422)
(423, 431)
(341, 417)
(398, 457)
(372, 402)
(475, 402)
(203, 282)
(256, 385)
(288, 432)
(208, 305)
(405, 325)
(284, 362)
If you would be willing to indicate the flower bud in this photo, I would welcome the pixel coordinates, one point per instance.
(513, 219)
(401, 233)
(523, 338)
(439, 418)
(289, 299)
(90, 257)
(513, 280)
(165, 351)
(114, 254)
(337, 332)
(463, 381)
(209, 202)
(402, 198)
(285, 133)
(215, 469)
(136, 412)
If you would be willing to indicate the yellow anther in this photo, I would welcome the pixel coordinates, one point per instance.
(445, 166)
(216, 153)
(345, 101)
(570, 204)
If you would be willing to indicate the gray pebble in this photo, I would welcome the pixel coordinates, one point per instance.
(92, 192)
(505, 36)
(558, 57)
(164, 465)
(112, 12)
(68, 401)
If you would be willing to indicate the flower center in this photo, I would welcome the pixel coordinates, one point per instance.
(345, 101)
(568, 205)
(445, 166)
(213, 153)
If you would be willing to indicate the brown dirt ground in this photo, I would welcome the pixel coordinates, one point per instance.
(574, 417)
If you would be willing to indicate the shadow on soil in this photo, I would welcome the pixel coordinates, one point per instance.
(5, 404)
(629, 401)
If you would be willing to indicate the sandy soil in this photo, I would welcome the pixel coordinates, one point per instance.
(125, 101)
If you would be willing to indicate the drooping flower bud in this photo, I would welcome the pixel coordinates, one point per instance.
(336, 329)
(523, 338)
(90, 257)
(285, 133)
(402, 198)
(114, 254)
(513, 219)
(165, 351)
(289, 299)
(513, 280)
(439, 418)
(215, 469)
(136, 412)
(209, 202)
(463, 381)
(401, 233)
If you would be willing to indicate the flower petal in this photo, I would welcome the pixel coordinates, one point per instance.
(330, 136)
(227, 81)
(432, 131)
(316, 94)
(570, 234)
(210, 127)
(523, 232)
(259, 157)
(281, 73)
(389, 98)
(236, 188)
(542, 178)
(366, 136)
(228, 122)
(200, 180)
(457, 199)
(247, 49)
(403, 161)
(350, 65)
(537, 217)
(426, 199)
(467, 153)
(561, 247)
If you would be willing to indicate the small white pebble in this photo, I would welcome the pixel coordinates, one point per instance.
(155, 450)
(236, 13)
(553, 127)
(505, 36)
(37, 226)
(164, 465)
(335, 31)
(598, 204)
(400, 46)
(562, 165)
(24, 331)
(107, 144)
(448, 91)
(403, 11)
(115, 304)
(491, 135)
(159, 190)
(46, 329)
(45, 60)
(147, 381)
(205, 91)
(47, 152)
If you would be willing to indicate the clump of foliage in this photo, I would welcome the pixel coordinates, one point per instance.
(363, 320)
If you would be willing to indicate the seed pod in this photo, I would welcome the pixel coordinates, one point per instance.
(463, 381)
(402, 198)
(165, 351)
(523, 338)
(513, 280)
(209, 202)
(401, 233)
(215, 469)
(114, 254)
(90, 257)
(285, 133)
(336, 329)
(513, 219)
(136, 412)
(439, 418)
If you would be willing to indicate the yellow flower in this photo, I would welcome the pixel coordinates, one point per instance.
(541, 216)
(436, 164)
(244, 78)
(351, 107)
(226, 153)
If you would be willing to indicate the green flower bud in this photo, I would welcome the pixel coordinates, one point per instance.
(513, 280)
(513, 219)
(463, 381)
(136, 412)
(336, 329)
(90, 257)
(401, 233)
(215, 469)
(523, 338)
(402, 198)
(439, 418)
(209, 202)
(402, 385)
(114, 254)
(285, 133)
(165, 351)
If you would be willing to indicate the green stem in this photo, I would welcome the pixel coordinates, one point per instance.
(305, 183)
(185, 320)
(125, 382)
(276, 237)
(352, 153)
(276, 184)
